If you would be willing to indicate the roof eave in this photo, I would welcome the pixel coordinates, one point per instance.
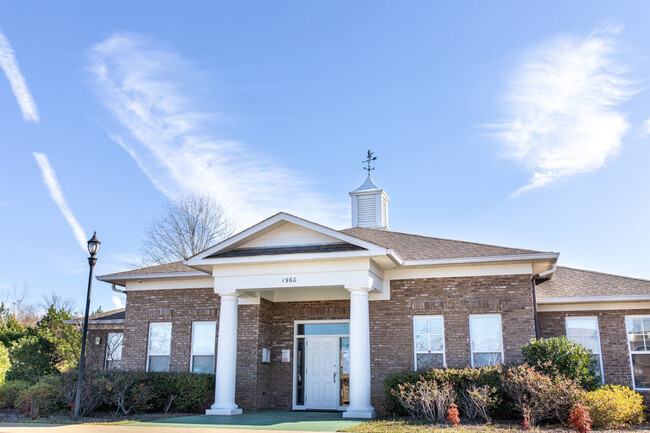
(486, 259)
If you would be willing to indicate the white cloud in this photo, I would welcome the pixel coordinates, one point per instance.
(178, 145)
(563, 107)
(9, 65)
(117, 301)
(49, 179)
(645, 128)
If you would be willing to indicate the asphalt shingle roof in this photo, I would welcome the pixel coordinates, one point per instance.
(416, 247)
(167, 268)
(569, 282)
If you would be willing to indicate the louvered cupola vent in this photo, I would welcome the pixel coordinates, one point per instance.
(369, 206)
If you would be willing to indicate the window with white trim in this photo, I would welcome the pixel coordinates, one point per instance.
(486, 339)
(584, 331)
(429, 339)
(113, 351)
(160, 342)
(638, 337)
(204, 336)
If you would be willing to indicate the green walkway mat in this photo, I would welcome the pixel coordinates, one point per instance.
(265, 420)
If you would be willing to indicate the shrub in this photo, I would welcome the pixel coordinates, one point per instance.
(41, 399)
(460, 379)
(193, 392)
(10, 390)
(93, 391)
(4, 363)
(426, 399)
(478, 401)
(614, 406)
(561, 356)
(544, 398)
(32, 357)
(579, 419)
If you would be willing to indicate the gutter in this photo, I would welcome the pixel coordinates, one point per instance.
(590, 299)
(486, 259)
(115, 289)
(535, 277)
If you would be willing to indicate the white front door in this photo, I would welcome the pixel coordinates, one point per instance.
(322, 373)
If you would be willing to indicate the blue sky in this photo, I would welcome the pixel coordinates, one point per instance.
(514, 123)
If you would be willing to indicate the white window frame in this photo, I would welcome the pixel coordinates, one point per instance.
(600, 347)
(443, 351)
(108, 340)
(635, 352)
(171, 331)
(213, 354)
(471, 345)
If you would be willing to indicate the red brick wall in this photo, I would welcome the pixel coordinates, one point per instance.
(391, 322)
(261, 386)
(613, 338)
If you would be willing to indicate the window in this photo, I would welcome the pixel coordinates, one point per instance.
(429, 338)
(113, 351)
(160, 341)
(584, 330)
(638, 337)
(203, 341)
(486, 339)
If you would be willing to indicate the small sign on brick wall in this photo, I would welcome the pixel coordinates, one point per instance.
(286, 355)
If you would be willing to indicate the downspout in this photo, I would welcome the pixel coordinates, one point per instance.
(115, 289)
(535, 277)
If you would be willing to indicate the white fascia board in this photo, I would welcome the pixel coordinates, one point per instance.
(487, 259)
(268, 223)
(116, 279)
(589, 299)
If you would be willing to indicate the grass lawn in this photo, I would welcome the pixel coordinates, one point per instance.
(402, 426)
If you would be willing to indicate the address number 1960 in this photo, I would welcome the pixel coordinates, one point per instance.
(289, 279)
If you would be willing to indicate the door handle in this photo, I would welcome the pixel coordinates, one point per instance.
(334, 377)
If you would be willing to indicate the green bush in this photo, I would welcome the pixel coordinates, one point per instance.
(10, 390)
(4, 363)
(32, 357)
(614, 406)
(194, 392)
(41, 399)
(561, 356)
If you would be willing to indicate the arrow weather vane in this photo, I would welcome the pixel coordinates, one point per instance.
(371, 158)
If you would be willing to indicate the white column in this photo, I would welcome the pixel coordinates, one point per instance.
(224, 394)
(360, 406)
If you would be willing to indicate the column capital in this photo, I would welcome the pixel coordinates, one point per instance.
(357, 290)
(229, 294)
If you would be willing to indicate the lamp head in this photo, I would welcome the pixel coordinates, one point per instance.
(93, 245)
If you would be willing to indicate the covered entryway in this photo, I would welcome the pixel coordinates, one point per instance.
(322, 367)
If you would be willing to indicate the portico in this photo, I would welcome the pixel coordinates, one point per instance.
(265, 268)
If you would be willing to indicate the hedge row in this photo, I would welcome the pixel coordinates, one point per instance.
(117, 391)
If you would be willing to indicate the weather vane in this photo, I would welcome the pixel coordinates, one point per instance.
(371, 158)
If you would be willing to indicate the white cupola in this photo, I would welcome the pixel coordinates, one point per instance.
(369, 206)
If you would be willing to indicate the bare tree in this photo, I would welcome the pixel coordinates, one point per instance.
(187, 227)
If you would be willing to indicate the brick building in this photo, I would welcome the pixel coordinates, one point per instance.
(291, 314)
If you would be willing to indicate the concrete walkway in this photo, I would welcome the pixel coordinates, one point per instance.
(251, 422)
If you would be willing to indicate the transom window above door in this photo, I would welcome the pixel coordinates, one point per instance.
(323, 329)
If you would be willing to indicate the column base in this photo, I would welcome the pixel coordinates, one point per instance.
(365, 413)
(222, 411)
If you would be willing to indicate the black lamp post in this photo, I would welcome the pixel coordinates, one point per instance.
(93, 247)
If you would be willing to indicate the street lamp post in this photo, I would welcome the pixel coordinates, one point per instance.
(93, 247)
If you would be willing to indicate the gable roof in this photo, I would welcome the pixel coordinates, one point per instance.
(417, 247)
(578, 283)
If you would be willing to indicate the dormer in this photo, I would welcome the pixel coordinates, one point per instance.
(369, 206)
